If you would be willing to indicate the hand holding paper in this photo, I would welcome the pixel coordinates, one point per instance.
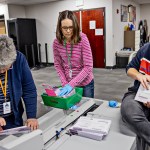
(147, 104)
(32, 123)
(2, 121)
(144, 79)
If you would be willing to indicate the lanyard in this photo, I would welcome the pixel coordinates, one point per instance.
(68, 55)
(4, 88)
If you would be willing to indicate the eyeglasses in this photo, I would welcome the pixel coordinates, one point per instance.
(65, 28)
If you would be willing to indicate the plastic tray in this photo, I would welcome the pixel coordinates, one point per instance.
(63, 103)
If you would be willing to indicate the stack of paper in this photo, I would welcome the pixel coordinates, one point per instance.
(17, 130)
(143, 95)
(93, 128)
(66, 95)
(50, 90)
(54, 91)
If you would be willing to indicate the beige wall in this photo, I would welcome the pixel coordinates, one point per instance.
(118, 28)
(145, 14)
(16, 11)
(46, 15)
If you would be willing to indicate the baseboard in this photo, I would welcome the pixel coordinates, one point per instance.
(49, 64)
(111, 67)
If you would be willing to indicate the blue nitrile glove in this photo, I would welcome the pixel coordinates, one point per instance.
(65, 90)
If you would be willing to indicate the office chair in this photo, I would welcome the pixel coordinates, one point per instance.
(132, 55)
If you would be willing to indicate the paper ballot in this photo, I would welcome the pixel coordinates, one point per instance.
(54, 90)
(17, 130)
(93, 128)
(94, 136)
(143, 95)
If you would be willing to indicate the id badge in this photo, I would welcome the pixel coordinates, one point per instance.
(70, 73)
(6, 108)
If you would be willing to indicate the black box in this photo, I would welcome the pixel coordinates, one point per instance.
(23, 33)
(121, 62)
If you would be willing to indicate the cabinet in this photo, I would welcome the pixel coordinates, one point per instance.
(2, 25)
(132, 39)
(23, 33)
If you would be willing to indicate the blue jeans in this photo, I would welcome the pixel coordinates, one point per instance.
(88, 90)
(137, 118)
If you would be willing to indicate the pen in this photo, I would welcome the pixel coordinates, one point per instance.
(58, 133)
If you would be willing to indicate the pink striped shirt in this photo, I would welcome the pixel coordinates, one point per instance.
(81, 62)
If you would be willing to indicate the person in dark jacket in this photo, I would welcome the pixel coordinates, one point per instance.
(136, 114)
(16, 84)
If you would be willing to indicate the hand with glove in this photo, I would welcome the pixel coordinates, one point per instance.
(65, 90)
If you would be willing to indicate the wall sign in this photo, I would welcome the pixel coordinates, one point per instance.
(124, 13)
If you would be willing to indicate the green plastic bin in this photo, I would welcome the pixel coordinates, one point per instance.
(63, 103)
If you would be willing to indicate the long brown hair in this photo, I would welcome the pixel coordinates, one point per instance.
(76, 29)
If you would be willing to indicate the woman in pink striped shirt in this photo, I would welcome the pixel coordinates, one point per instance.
(72, 56)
